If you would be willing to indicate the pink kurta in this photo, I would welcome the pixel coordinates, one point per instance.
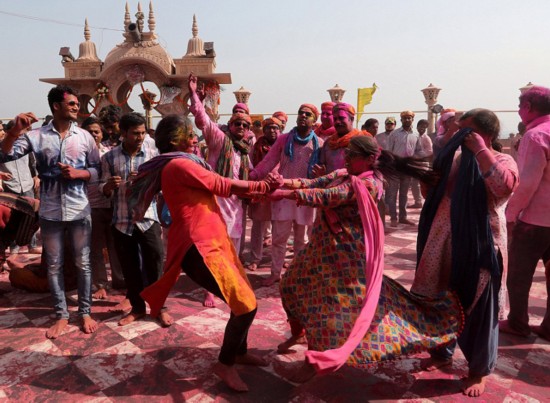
(287, 210)
(231, 207)
(189, 190)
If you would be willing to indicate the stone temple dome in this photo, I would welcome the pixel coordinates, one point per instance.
(138, 60)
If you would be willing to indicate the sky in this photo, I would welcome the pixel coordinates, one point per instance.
(289, 52)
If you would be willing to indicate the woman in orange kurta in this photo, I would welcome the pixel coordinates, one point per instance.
(198, 242)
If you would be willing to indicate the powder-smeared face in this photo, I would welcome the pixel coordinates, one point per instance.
(342, 122)
(271, 132)
(239, 127)
(185, 140)
(326, 117)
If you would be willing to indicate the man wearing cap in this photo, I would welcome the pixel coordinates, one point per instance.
(403, 142)
(332, 155)
(326, 129)
(296, 152)
(228, 154)
(382, 138)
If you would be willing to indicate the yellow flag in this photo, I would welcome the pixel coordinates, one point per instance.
(364, 97)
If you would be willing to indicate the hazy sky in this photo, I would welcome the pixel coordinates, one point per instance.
(289, 52)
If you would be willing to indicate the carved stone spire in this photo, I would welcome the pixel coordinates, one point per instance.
(127, 20)
(139, 18)
(195, 46)
(86, 50)
(151, 21)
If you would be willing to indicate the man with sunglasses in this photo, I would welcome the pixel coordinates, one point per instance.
(228, 154)
(66, 159)
(296, 153)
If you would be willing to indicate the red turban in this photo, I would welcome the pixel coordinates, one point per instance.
(242, 106)
(313, 109)
(240, 116)
(328, 104)
(344, 107)
(281, 114)
(271, 121)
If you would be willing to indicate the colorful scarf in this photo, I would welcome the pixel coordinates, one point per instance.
(325, 133)
(335, 141)
(472, 239)
(147, 183)
(261, 148)
(224, 166)
(373, 235)
(289, 148)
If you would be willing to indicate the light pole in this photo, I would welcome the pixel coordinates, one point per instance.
(336, 93)
(526, 87)
(242, 95)
(430, 96)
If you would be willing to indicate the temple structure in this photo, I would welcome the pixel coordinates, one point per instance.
(138, 59)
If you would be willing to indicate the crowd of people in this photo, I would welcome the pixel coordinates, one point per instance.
(110, 187)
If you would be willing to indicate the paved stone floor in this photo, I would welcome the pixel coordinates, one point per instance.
(144, 362)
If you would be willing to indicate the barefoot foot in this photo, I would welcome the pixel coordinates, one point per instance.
(251, 359)
(284, 347)
(131, 317)
(252, 267)
(122, 306)
(541, 332)
(298, 374)
(209, 301)
(432, 364)
(229, 375)
(474, 386)
(100, 294)
(54, 331)
(88, 324)
(165, 319)
(505, 327)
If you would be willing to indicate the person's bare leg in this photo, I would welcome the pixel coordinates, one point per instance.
(474, 386)
(209, 301)
(100, 294)
(131, 317)
(229, 375)
(88, 324)
(54, 331)
(123, 306)
(251, 359)
(284, 347)
(165, 319)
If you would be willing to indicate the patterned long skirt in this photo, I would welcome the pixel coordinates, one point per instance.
(324, 290)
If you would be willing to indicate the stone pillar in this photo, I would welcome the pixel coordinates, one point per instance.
(430, 96)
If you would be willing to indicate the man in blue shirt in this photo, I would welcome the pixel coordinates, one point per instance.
(66, 158)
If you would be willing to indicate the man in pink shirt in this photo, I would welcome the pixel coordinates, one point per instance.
(528, 214)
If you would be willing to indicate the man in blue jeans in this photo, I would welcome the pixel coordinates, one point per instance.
(66, 159)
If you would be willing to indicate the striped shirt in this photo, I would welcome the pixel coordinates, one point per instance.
(60, 199)
(118, 162)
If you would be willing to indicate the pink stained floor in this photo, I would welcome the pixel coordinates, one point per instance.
(144, 362)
